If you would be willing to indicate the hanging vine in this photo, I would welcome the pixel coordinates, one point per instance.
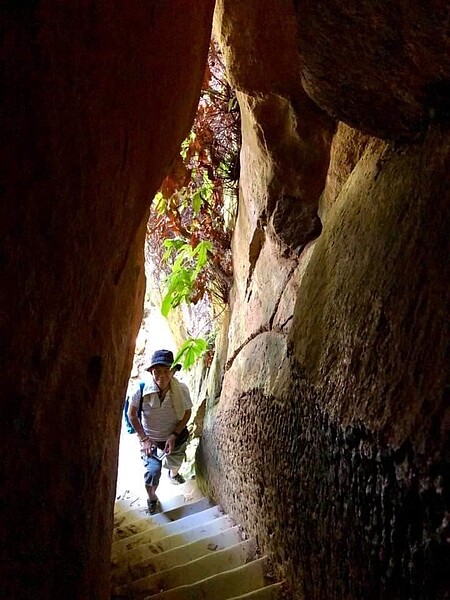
(192, 216)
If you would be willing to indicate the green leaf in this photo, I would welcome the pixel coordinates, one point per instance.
(197, 201)
(190, 352)
(160, 203)
(207, 187)
(183, 258)
(185, 269)
(176, 243)
(186, 143)
(202, 250)
(172, 245)
(166, 305)
(178, 289)
(200, 345)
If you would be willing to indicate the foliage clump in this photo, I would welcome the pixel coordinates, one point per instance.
(192, 216)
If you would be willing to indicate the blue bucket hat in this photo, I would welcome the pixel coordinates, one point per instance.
(162, 357)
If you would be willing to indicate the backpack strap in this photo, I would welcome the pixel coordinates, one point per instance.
(141, 387)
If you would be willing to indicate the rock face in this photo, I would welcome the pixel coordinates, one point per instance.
(328, 441)
(98, 98)
(271, 98)
(383, 68)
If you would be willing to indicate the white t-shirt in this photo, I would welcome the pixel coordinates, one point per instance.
(159, 418)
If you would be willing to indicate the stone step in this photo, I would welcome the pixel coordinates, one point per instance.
(223, 586)
(138, 520)
(167, 505)
(162, 530)
(147, 550)
(270, 592)
(177, 556)
(190, 552)
(123, 505)
(192, 571)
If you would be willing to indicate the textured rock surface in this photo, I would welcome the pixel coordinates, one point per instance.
(342, 463)
(347, 148)
(382, 68)
(278, 116)
(328, 442)
(375, 334)
(88, 137)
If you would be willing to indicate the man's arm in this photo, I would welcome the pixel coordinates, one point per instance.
(172, 439)
(181, 424)
(146, 442)
(134, 420)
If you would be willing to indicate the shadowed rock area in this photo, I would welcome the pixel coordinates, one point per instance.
(98, 98)
(381, 67)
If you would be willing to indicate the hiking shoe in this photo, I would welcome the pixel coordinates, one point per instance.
(152, 506)
(177, 479)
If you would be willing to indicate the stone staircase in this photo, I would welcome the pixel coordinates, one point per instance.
(192, 551)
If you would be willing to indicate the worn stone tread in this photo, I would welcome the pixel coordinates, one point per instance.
(140, 515)
(270, 592)
(190, 552)
(223, 586)
(161, 530)
(177, 556)
(214, 562)
(148, 550)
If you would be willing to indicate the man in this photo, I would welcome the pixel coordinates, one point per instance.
(166, 409)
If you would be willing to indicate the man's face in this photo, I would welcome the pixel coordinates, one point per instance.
(162, 376)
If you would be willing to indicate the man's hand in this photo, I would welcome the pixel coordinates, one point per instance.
(170, 443)
(147, 447)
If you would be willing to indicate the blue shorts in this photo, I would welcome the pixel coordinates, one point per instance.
(154, 465)
(153, 468)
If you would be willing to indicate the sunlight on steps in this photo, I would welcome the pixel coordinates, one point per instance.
(191, 551)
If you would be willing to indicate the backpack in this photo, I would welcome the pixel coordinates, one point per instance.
(128, 424)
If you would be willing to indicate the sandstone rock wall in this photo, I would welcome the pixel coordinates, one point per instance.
(98, 97)
(328, 441)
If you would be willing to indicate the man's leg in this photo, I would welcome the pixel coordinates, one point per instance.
(151, 477)
(173, 462)
(151, 492)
